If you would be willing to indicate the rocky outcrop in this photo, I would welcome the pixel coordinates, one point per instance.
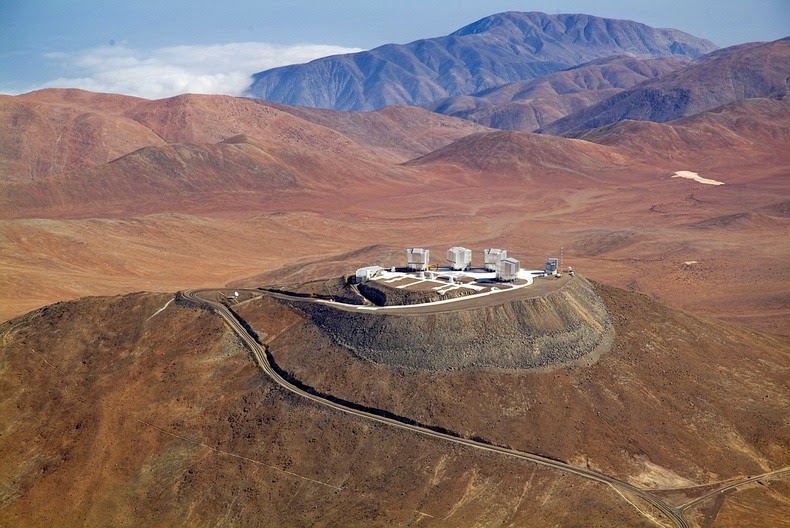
(562, 326)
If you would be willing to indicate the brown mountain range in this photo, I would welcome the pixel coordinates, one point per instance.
(529, 105)
(54, 131)
(316, 183)
(751, 132)
(747, 71)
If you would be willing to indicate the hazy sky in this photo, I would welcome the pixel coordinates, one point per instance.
(157, 48)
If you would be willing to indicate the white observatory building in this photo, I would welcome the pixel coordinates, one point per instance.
(507, 269)
(459, 258)
(417, 259)
(491, 258)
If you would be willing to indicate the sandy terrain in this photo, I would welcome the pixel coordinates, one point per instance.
(644, 244)
(256, 190)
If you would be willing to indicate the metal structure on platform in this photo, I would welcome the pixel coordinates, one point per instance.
(367, 273)
(491, 257)
(418, 259)
(459, 258)
(507, 269)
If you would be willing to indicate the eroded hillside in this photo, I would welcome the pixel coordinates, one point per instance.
(644, 411)
(568, 323)
(135, 410)
(139, 400)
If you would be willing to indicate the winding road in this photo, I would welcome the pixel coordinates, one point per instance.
(202, 298)
(198, 297)
(779, 473)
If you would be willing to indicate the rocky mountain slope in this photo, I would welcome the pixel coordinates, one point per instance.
(292, 186)
(135, 409)
(49, 132)
(659, 357)
(505, 157)
(499, 49)
(185, 177)
(716, 138)
(404, 132)
(556, 328)
(725, 76)
(528, 105)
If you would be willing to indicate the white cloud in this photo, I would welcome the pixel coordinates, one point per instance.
(164, 72)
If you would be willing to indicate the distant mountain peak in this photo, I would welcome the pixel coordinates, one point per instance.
(502, 48)
(588, 29)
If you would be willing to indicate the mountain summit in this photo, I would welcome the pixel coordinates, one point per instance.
(495, 50)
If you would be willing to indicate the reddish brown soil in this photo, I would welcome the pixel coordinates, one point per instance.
(764, 504)
(402, 132)
(116, 412)
(46, 135)
(115, 416)
(644, 412)
(262, 190)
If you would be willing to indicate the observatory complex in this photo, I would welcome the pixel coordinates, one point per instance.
(499, 272)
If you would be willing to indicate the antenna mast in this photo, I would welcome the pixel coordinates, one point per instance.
(562, 249)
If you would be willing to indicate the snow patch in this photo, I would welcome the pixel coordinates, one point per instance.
(696, 177)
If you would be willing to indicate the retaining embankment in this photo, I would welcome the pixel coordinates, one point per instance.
(382, 295)
(559, 327)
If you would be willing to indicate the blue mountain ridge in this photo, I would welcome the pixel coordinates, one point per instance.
(495, 50)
